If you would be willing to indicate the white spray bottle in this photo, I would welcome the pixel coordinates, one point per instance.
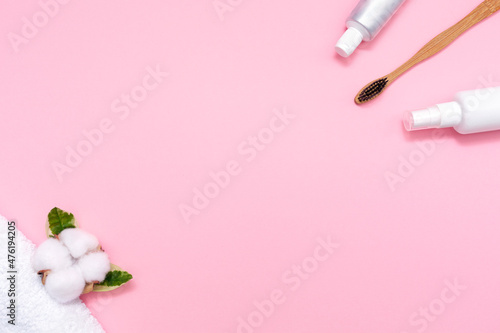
(472, 112)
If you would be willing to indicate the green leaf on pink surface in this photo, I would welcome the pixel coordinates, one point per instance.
(58, 220)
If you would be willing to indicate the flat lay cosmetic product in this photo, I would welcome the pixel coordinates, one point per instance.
(472, 112)
(365, 22)
(375, 88)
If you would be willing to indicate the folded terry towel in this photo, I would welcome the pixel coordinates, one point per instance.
(36, 311)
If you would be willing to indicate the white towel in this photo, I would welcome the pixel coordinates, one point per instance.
(36, 311)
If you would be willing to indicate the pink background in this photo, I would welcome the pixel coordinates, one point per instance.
(323, 175)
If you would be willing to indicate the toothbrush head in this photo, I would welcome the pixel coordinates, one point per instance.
(372, 90)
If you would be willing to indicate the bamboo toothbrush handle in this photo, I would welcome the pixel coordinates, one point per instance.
(484, 10)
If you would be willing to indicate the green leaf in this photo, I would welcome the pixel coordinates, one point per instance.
(116, 278)
(59, 220)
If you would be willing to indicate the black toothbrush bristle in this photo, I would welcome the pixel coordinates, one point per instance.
(373, 90)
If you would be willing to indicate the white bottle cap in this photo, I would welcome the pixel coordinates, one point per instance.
(349, 42)
(439, 116)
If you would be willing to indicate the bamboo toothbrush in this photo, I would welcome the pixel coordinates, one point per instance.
(375, 88)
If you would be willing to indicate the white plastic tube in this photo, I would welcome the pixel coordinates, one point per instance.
(365, 22)
(472, 112)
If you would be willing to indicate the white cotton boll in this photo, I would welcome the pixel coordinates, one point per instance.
(78, 241)
(51, 255)
(65, 285)
(94, 266)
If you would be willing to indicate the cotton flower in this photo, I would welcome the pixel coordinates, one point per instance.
(70, 263)
(94, 266)
(51, 255)
(65, 285)
(78, 241)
